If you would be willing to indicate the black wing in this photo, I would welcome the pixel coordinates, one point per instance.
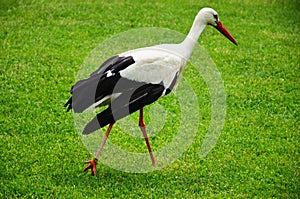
(140, 95)
(106, 81)
(98, 85)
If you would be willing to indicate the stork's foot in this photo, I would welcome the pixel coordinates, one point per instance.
(92, 165)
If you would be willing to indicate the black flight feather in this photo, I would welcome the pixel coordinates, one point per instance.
(98, 85)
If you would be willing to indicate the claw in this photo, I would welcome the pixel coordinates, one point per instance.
(92, 165)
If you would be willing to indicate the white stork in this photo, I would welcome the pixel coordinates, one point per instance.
(129, 81)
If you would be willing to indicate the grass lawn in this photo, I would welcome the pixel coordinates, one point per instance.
(43, 45)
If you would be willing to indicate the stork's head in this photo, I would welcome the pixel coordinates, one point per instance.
(211, 17)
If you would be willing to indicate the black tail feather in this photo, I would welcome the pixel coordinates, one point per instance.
(69, 104)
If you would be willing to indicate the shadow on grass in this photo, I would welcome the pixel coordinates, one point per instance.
(110, 183)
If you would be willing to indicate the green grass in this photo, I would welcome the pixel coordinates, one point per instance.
(257, 155)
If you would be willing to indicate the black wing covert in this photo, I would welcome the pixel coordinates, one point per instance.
(98, 85)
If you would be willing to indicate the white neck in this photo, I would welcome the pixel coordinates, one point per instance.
(190, 41)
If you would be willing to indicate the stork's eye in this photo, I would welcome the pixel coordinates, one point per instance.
(216, 17)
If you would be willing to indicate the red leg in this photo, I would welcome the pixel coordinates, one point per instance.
(143, 128)
(93, 162)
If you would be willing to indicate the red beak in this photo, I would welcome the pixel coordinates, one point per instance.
(220, 27)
